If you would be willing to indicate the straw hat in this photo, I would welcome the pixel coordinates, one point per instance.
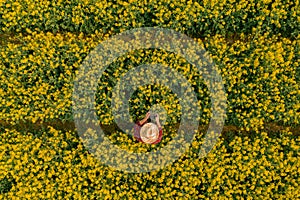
(149, 133)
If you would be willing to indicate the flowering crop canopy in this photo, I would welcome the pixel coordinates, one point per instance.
(144, 38)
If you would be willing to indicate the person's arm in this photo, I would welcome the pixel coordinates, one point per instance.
(157, 121)
(160, 132)
(145, 119)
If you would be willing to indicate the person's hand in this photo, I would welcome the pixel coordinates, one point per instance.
(145, 119)
(147, 115)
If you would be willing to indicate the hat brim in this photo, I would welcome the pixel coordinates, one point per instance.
(146, 138)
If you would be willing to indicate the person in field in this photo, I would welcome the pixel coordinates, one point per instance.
(148, 132)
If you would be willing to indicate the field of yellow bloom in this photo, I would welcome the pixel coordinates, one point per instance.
(255, 46)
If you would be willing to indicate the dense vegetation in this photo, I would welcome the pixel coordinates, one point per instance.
(254, 44)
